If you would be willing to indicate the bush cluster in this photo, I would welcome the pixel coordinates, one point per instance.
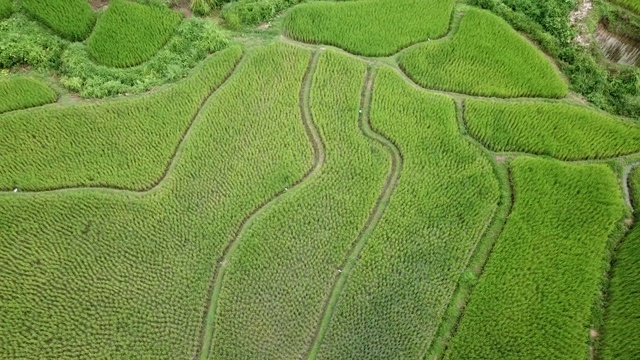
(486, 57)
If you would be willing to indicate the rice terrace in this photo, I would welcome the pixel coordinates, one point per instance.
(307, 179)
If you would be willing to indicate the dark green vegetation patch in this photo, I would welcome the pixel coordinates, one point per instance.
(129, 34)
(560, 130)
(71, 19)
(22, 92)
(6, 8)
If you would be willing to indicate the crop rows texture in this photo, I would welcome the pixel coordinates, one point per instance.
(401, 286)
(125, 143)
(22, 92)
(97, 274)
(369, 27)
(560, 130)
(630, 4)
(536, 295)
(71, 19)
(285, 266)
(485, 57)
(6, 8)
(622, 321)
(129, 33)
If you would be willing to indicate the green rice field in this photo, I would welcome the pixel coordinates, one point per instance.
(286, 179)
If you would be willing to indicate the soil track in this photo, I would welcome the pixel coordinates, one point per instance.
(215, 285)
(170, 165)
(374, 217)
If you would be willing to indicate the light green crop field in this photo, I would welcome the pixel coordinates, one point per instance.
(486, 57)
(563, 131)
(369, 27)
(21, 92)
(287, 261)
(104, 274)
(630, 4)
(71, 19)
(535, 297)
(125, 144)
(289, 179)
(622, 314)
(129, 33)
(395, 297)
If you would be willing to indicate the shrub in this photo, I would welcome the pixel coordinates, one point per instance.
(370, 27)
(486, 57)
(71, 19)
(536, 295)
(22, 92)
(560, 130)
(129, 34)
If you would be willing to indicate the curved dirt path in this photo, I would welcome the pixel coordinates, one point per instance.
(209, 316)
(173, 160)
(371, 223)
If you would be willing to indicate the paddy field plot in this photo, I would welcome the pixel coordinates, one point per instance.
(22, 92)
(71, 19)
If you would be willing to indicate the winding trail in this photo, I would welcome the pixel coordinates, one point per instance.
(319, 157)
(173, 160)
(374, 217)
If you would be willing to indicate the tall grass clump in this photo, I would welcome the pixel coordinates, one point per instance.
(400, 288)
(294, 251)
(6, 8)
(622, 321)
(23, 92)
(566, 132)
(129, 33)
(102, 274)
(71, 19)
(536, 295)
(125, 143)
(370, 27)
(486, 57)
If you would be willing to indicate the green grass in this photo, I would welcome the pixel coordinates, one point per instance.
(22, 92)
(71, 19)
(286, 263)
(563, 131)
(400, 287)
(97, 274)
(486, 57)
(629, 4)
(535, 297)
(124, 143)
(6, 8)
(622, 321)
(370, 27)
(129, 33)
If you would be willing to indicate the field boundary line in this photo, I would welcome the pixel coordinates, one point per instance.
(374, 217)
(205, 344)
(171, 164)
(481, 252)
(600, 310)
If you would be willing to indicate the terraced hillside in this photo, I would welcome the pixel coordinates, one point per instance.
(328, 185)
